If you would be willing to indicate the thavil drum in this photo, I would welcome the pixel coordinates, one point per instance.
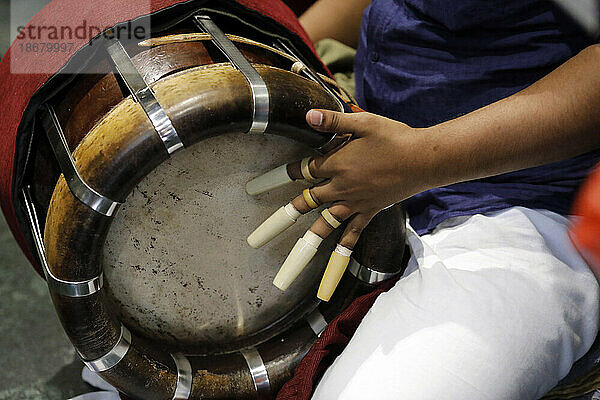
(142, 234)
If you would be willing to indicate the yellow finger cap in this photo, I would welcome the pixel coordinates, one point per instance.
(278, 222)
(333, 273)
(304, 250)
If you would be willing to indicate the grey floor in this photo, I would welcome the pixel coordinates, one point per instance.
(36, 359)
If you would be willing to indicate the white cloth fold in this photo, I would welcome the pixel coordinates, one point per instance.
(108, 391)
(494, 306)
(104, 395)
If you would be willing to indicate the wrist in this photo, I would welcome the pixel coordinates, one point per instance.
(437, 157)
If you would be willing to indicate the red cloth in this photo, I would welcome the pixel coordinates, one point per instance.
(585, 230)
(16, 90)
(330, 345)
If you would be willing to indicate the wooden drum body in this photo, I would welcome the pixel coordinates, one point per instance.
(171, 302)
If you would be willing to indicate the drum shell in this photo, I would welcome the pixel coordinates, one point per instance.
(130, 150)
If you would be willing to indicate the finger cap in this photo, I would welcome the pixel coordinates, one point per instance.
(278, 222)
(302, 252)
(338, 262)
(271, 180)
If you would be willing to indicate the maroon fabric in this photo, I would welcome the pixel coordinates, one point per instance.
(16, 90)
(330, 345)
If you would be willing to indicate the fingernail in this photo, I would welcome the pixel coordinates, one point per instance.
(315, 117)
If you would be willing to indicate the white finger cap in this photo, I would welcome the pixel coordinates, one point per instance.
(282, 219)
(304, 250)
(271, 180)
(338, 262)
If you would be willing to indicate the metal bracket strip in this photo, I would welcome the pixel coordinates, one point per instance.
(58, 286)
(260, 93)
(184, 377)
(317, 322)
(259, 374)
(114, 356)
(367, 274)
(143, 94)
(80, 189)
(310, 74)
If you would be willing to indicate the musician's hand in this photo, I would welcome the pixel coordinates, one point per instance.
(388, 161)
(385, 162)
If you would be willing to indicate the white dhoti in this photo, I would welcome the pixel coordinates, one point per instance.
(495, 306)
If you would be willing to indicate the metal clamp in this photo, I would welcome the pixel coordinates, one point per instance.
(143, 94)
(260, 377)
(58, 286)
(114, 356)
(317, 322)
(80, 189)
(184, 377)
(310, 74)
(260, 93)
(367, 274)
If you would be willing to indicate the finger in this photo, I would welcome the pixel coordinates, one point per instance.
(357, 124)
(336, 143)
(283, 175)
(273, 179)
(340, 257)
(330, 219)
(306, 247)
(314, 197)
(354, 229)
(314, 169)
(307, 169)
(287, 215)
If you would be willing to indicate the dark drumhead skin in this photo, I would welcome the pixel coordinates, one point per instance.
(117, 153)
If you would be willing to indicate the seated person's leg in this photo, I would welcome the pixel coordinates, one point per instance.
(496, 307)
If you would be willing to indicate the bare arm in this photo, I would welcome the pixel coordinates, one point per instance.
(387, 161)
(556, 118)
(337, 19)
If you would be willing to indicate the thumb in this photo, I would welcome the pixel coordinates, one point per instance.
(337, 122)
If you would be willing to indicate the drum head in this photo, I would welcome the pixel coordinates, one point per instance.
(177, 265)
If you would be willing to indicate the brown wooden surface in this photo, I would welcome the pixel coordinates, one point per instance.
(115, 146)
(118, 152)
(381, 246)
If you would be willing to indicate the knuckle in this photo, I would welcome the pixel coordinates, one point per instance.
(354, 230)
(347, 243)
(364, 118)
(318, 194)
(335, 121)
(340, 211)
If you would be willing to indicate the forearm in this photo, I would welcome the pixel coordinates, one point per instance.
(556, 118)
(337, 19)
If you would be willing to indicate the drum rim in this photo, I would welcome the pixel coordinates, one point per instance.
(287, 349)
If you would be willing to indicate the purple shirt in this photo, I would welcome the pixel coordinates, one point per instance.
(423, 62)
